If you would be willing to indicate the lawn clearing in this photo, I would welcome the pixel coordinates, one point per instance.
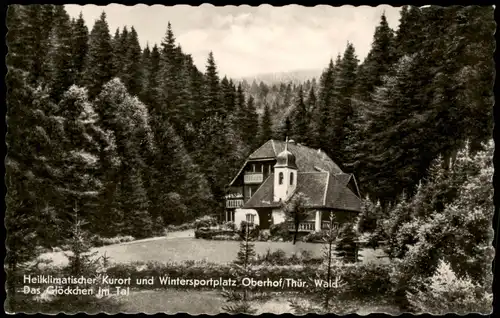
(184, 248)
(211, 302)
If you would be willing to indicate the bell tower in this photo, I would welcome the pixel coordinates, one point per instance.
(285, 175)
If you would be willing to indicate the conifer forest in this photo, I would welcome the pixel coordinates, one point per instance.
(132, 140)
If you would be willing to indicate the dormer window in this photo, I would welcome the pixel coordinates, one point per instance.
(281, 178)
(291, 178)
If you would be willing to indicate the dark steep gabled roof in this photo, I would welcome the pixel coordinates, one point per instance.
(307, 159)
(323, 190)
(263, 197)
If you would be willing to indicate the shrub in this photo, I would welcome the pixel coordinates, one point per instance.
(97, 241)
(205, 221)
(279, 258)
(316, 237)
(229, 225)
(366, 278)
(444, 292)
(159, 226)
(182, 227)
(208, 234)
(253, 228)
(347, 245)
(280, 231)
(264, 235)
(370, 213)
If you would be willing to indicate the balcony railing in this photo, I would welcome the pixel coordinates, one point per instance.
(325, 225)
(303, 226)
(234, 203)
(253, 177)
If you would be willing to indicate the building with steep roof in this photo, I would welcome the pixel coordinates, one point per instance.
(277, 171)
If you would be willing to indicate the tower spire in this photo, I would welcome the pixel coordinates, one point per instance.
(286, 143)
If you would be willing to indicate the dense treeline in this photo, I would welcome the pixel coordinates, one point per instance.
(422, 92)
(133, 138)
(140, 137)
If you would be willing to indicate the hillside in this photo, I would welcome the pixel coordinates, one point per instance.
(296, 77)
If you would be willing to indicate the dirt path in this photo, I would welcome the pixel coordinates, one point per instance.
(172, 235)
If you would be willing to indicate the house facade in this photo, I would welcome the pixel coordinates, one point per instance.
(277, 171)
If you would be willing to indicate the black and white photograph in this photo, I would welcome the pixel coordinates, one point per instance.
(249, 159)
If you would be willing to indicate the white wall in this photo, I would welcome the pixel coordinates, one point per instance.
(278, 216)
(241, 215)
(284, 190)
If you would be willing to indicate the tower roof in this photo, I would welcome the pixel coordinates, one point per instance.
(286, 159)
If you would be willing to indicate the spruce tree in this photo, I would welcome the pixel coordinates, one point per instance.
(117, 56)
(409, 35)
(213, 102)
(300, 121)
(228, 96)
(284, 129)
(132, 67)
(241, 265)
(39, 22)
(266, 125)
(79, 183)
(347, 245)
(135, 206)
(81, 260)
(145, 63)
(80, 38)
(99, 60)
(240, 112)
(343, 112)
(251, 124)
(62, 70)
(379, 60)
(323, 115)
(150, 97)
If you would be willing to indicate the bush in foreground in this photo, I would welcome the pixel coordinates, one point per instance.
(444, 292)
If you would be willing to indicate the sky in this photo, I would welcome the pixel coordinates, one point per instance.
(248, 40)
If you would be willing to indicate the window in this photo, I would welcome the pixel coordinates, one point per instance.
(250, 218)
(291, 178)
(281, 178)
(230, 216)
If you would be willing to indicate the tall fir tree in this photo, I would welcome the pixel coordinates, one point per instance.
(137, 220)
(99, 61)
(132, 68)
(60, 59)
(79, 154)
(251, 124)
(300, 119)
(213, 102)
(343, 112)
(378, 62)
(145, 63)
(323, 115)
(79, 46)
(266, 125)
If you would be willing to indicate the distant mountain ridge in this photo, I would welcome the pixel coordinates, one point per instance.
(296, 77)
